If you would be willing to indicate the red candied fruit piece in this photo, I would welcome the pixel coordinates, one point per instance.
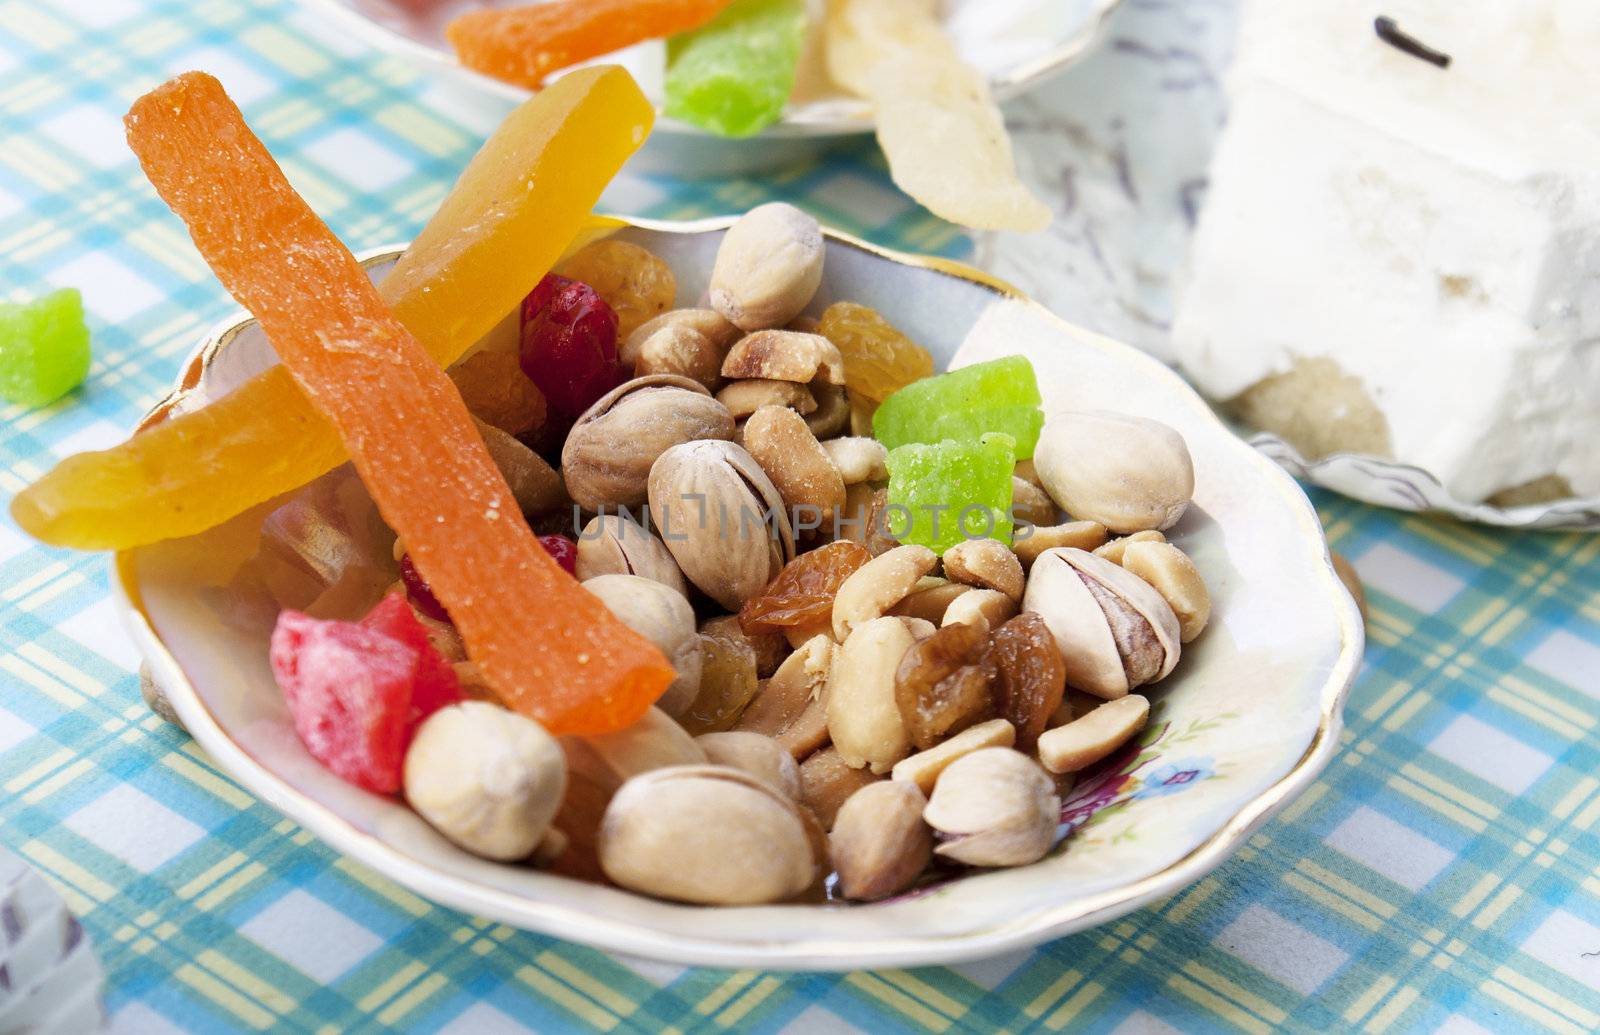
(436, 683)
(564, 550)
(420, 592)
(349, 691)
(569, 345)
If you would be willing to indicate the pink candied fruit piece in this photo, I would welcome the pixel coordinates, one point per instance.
(349, 691)
(436, 684)
(569, 345)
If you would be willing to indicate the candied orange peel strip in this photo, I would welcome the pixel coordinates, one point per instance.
(523, 45)
(508, 219)
(549, 649)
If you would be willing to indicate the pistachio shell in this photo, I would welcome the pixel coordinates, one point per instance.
(662, 616)
(706, 834)
(996, 807)
(1128, 473)
(722, 519)
(610, 451)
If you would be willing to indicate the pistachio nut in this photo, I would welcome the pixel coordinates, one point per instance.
(758, 755)
(1115, 632)
(616, 544)
(609, 452)
(880, 844)
(680, 349)
(708, 323)
(488, 779)
(768, 266)
(791, 708)
(706, 834)
(994, 807)
(1078, 535)
(722, 518)
(863, 715)
(924, 767)
(607, 760)
(1128, 473)
(832, 415)
(986, 608)
(1116, 548)
(662, 616)
(742, 398)
(791, 456)
(1094, 736)
(880, 584)
(1176, 578)
(827, 781)
(785, 356)
(985, 563)
(858, 459)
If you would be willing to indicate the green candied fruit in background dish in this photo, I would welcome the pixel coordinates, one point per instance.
(934, 488)
(734, 75)
(1001, 395)
(44, 348)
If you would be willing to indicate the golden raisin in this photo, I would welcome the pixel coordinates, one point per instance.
(878, 359)
(636, 284)
(497, 392)
(727, 682)
(803, 592)
(1030, 676)
(943, 684)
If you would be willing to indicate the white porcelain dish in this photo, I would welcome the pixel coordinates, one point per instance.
(1247, 721)
(1018, 43)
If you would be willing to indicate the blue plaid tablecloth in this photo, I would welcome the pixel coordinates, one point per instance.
(1444, 875)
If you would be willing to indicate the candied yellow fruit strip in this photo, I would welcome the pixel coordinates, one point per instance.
(510, 217)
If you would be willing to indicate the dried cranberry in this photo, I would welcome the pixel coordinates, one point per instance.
(564, 550)
(569, 344)
(420, 592)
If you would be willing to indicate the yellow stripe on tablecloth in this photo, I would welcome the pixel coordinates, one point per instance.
(1536, 1000)
(1229, 1012)
(897, 1000)
(566, 998)
(1398, 1004)
(82, 889)
(591, 986)
(1364, 1003)
(246, 875)
(396, 984)
(1234, 992)
(418, 994)
(241, 977)
(229, 999)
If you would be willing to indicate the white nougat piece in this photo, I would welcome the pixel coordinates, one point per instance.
(1434, 232)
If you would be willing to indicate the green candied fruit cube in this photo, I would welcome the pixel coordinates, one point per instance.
(44, 348)
(944, 493)
(1001, 395)
(733, 76)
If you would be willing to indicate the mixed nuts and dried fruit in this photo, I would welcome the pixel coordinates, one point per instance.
(859, 574)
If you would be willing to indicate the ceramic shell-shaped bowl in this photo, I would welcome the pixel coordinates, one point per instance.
(1247, 720)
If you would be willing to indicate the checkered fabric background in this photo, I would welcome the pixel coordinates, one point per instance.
(1441, 877)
